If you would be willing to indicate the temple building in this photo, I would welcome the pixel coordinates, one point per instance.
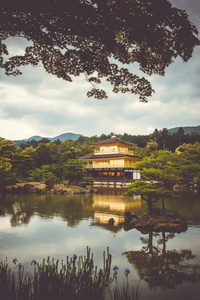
(112, 161)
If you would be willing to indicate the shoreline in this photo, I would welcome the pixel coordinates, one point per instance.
(40, 189)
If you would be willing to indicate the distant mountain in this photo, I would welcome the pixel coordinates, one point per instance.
(66, 136)
(61, 137)
(75, 136)
(35, 137)
(187, 129)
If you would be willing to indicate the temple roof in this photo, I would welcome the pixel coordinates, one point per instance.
(102, 156)
(113, 140)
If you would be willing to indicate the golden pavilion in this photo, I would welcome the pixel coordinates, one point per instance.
(112, 161)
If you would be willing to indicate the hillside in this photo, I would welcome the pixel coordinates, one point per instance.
(66, 136)
(61, 137)
(187, 129)
(75, 136)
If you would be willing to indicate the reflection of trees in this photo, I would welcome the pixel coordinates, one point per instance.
(20, 211)
(20, 214)
(162, 268)
(75, 211)
(70, 208)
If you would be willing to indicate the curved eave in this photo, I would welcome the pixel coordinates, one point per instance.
(113, 141)
(108, 156)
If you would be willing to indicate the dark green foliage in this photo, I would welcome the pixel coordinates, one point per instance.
(73, 171)
(82, 145)
(35, 175)
(44, 141)
(7, 174)
(164, 139)
(87, 181)
(171, 141)
(181, 167)
(148, 189)
(150, 192)
(43, 154)
(70, 38)
(7, 178)
(50, 180)
(49, 162)
(162, 166)
(190, 164)
(162, 170)
(22, 164)
(61, 161)
(47, 173)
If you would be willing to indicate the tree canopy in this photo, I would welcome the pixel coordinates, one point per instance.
(163, 170)
(49, 162)
(96, 37)
(150, 192)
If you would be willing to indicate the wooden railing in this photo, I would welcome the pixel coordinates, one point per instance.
(104, 166)
(119, 151)
(109, 166)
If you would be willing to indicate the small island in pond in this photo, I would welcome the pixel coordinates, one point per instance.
(157, 223)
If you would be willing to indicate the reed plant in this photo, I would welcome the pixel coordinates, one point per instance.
(76, 279)
(124, 291)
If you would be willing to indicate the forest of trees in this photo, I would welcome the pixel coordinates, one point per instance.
(164, 139)
(55, 161)
(162, 170)
(48, 162)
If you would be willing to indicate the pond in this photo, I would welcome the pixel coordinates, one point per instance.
(165, 266)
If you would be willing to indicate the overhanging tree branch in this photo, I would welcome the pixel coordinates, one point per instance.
(84, 36)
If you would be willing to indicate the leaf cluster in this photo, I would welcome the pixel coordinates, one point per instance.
(152, 191)
(70, 38)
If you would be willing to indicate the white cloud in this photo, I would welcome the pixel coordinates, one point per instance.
(38, 103)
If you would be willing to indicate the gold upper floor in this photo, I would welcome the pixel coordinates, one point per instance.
(113, 163)
(113, 150)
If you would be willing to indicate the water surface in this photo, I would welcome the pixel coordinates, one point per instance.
(166, 266)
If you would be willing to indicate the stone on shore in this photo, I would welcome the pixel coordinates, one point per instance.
(40, 188)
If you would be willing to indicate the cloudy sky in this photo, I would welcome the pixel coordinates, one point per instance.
(37, 103)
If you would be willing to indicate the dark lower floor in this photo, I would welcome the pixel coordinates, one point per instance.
(117, 174)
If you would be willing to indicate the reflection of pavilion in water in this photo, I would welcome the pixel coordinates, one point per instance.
(113, 207)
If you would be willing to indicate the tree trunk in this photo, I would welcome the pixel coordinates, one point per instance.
(149, 203)
(164, 243)
(163, 207)
(150, 242)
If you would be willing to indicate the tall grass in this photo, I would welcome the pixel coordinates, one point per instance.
(77, 279)
(124, 292)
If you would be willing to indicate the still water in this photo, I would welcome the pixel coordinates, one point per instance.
(166, 266)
